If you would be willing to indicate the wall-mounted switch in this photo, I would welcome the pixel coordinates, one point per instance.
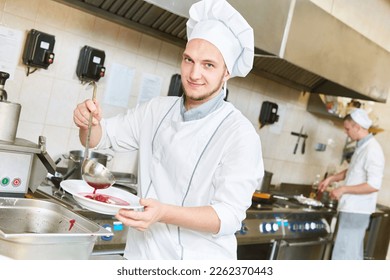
(90, 66)
(38, 50)
(268, 113)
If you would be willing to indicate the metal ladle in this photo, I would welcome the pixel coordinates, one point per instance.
(93, 172)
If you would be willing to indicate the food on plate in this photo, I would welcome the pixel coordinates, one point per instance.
(109, 199)
(308, 201)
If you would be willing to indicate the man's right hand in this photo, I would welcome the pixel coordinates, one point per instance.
(81, 118)
(82, 112)
(324, 184)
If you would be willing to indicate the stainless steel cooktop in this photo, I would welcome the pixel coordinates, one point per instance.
(285, 220)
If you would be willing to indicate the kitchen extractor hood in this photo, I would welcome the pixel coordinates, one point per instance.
(297, 43)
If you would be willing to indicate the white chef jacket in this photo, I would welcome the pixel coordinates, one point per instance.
(215, 160)
(367, 166)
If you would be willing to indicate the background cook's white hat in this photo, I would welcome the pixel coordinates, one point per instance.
(361, 118)
(219, 23)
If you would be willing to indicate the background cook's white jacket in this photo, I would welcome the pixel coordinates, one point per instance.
(228, 168)
(367, 166)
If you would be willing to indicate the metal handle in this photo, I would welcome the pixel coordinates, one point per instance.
(306, 243)
(42, 143)
(109, 156)
(296, 147)
(107, 252)
(280, 197)
(86, 152)
(299, 138)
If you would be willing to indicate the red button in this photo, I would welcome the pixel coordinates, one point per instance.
(16, 182)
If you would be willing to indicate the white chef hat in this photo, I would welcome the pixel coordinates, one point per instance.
(219, 23)
(361, 118)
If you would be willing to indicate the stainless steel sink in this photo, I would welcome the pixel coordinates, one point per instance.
(38, 229)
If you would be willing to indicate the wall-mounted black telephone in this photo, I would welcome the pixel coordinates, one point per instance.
(268, 113)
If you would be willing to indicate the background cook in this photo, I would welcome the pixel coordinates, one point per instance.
(358, 195)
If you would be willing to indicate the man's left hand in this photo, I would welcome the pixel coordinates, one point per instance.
(153, 211)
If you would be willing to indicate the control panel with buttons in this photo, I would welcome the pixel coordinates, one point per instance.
(265, 226)
(14, 172)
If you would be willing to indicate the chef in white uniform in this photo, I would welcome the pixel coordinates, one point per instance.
(200, 159)
(358, 194)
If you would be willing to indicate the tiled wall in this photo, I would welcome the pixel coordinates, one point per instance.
(48, 97)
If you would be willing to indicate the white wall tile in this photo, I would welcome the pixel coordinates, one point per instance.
(56, 139)
(105, 31)
(49, 14)
(29, 131)
(129, 39)
(17, 22)
(2, 3)
(149, 47)
(63, 100)
(34, 98)
(22, 8)
(170, 54)
(165, 71)
(78, 22)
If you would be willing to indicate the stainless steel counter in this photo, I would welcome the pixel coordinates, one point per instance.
(104, 246)
(286, 229)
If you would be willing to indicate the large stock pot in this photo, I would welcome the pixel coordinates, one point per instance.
(76, 157)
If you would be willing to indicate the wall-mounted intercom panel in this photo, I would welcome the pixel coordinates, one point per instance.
(268, 113)
(175, 87)
(38, 50)
(90, 66)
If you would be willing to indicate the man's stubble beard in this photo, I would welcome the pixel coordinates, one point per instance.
(206, 95)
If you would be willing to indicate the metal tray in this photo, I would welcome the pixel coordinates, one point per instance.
(38, 229)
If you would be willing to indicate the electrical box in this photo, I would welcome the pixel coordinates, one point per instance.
(268, 113)
(90, 66)
(175, 87)
(38, 50)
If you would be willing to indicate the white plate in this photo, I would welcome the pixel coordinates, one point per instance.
(79, 187)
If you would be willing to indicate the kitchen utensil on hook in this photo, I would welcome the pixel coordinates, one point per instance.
(93, 172)
(303, 144)
(299, 138)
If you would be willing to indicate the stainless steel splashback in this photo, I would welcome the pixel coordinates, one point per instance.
(310, 38)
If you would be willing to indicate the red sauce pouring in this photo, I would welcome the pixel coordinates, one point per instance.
(98, 186)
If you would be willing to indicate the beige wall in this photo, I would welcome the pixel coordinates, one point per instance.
(48, 97)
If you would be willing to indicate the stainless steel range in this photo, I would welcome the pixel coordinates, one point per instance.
(286, 230)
